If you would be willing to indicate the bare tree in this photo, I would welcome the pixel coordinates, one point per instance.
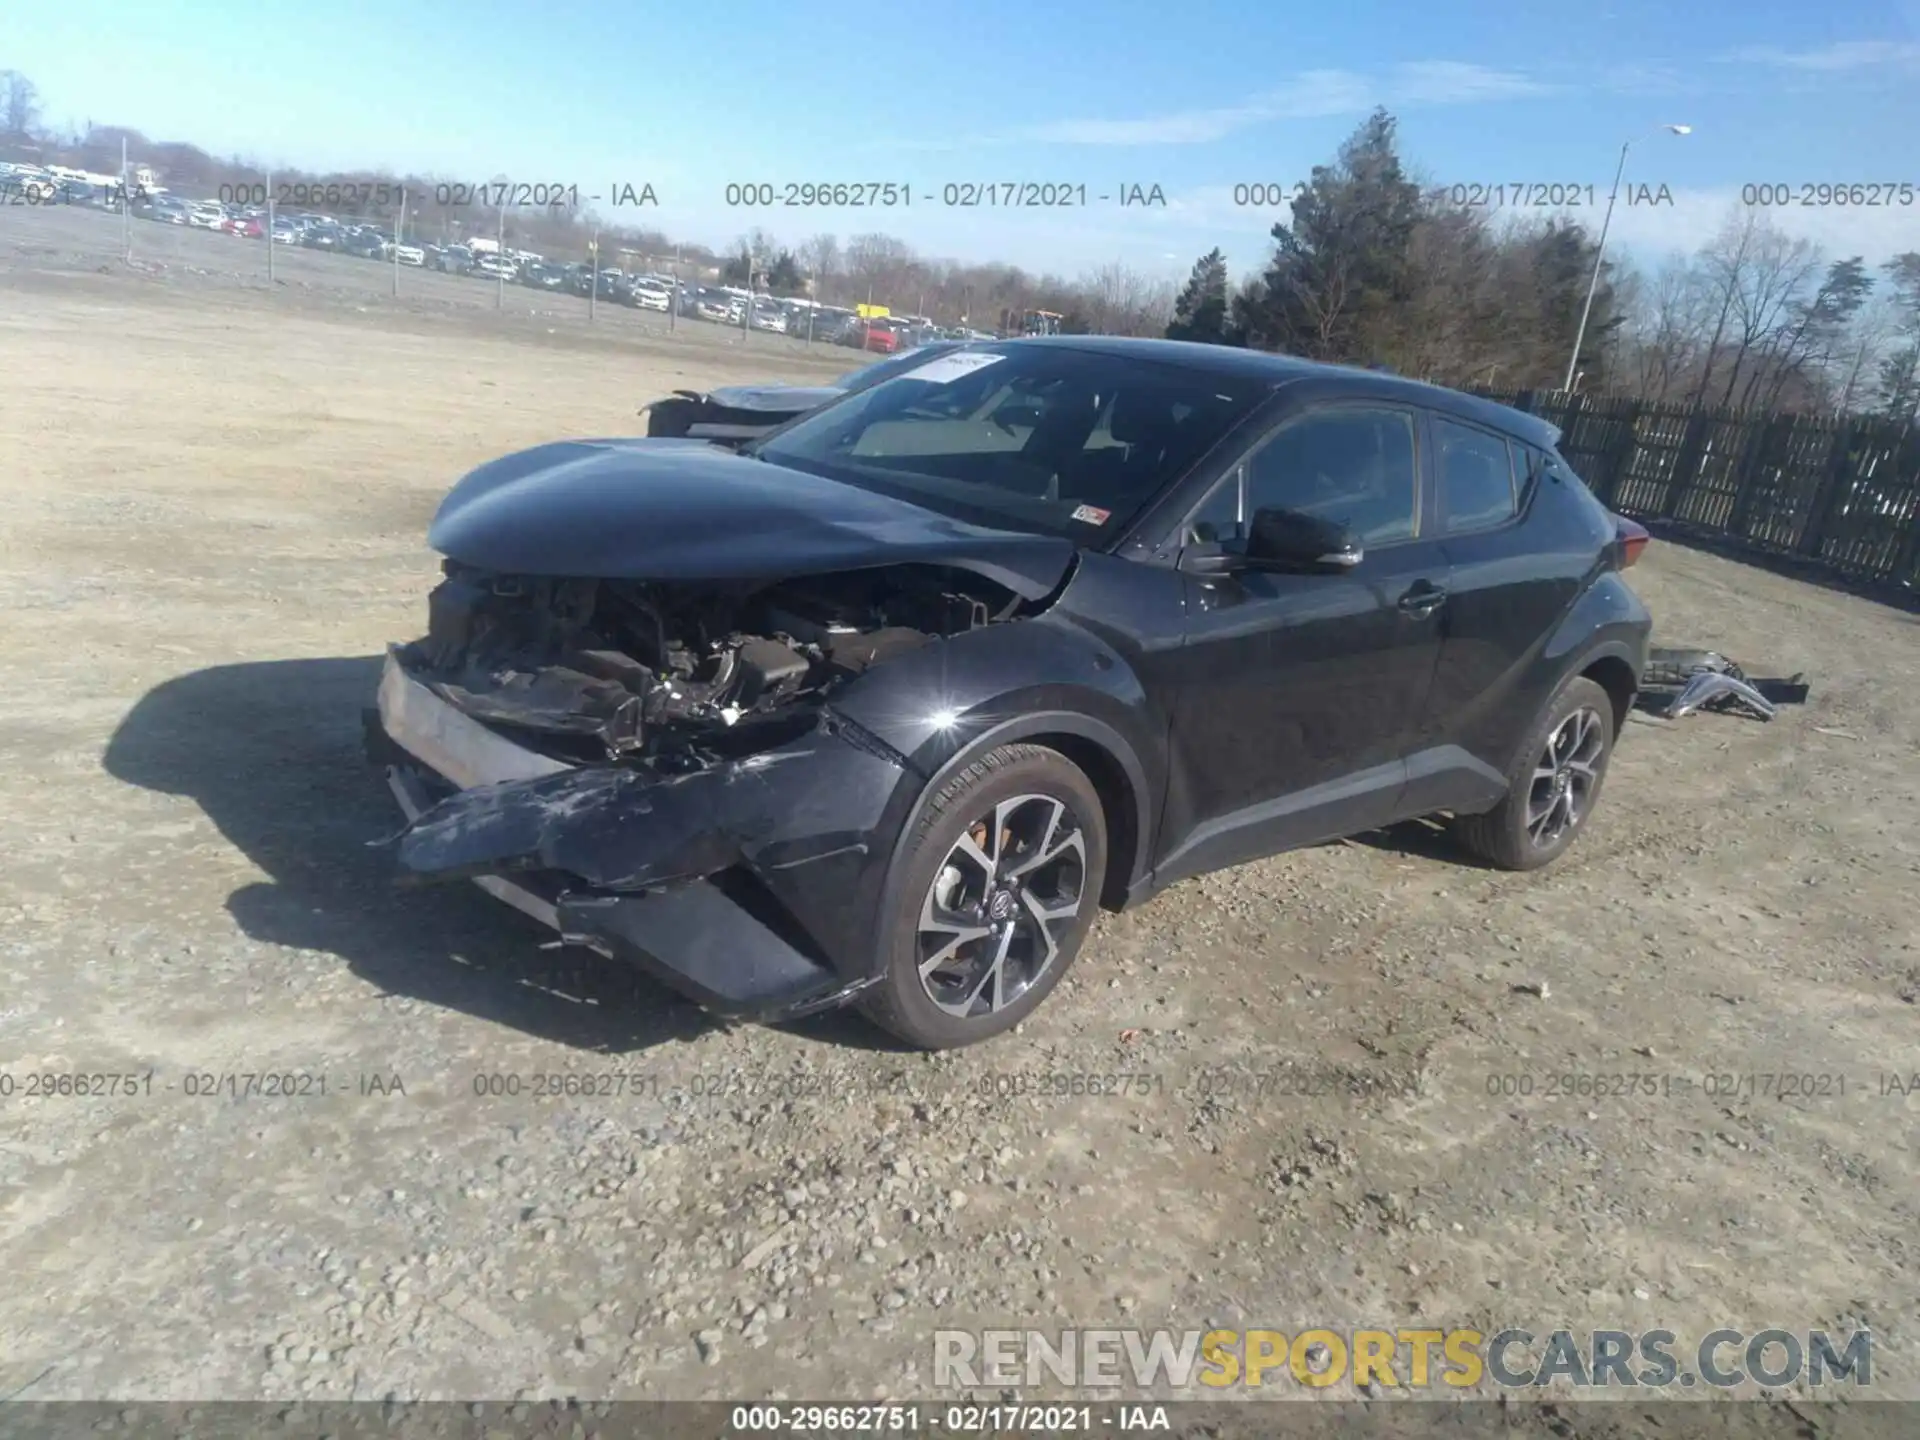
(1779, 276)
(1116, 300)
(820, 256)
(877, 266)
(1868, 342)
(1722, 264)
(19, 106)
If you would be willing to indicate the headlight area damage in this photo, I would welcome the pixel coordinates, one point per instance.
(657, 770)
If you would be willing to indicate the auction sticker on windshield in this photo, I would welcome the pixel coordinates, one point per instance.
(954, 366)
(1092, 515)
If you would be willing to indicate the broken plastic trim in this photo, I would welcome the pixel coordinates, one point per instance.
(1707, 680)
(1715, 690)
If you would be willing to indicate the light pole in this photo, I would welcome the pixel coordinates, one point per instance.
(1600, 250)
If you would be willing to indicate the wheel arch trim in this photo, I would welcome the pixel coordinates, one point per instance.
(1034, 727)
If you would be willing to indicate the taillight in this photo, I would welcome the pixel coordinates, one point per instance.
(1633, 539)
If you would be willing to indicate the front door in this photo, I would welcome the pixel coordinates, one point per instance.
(1301, 694)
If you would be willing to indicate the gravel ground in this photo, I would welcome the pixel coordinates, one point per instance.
(216, 493)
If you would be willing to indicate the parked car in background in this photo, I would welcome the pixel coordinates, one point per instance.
(244, 226)
(734, 414)
(454, 260)
(206, 215)
(769, 318)
(820, 324)
(613, 285)
(493, 267)
(715, 306)
(879, 336)
(324, 235)
(766, 725)
(410, 255)
(286, 232)
(543, 275)
(85, 192)
(368, 244)
(650, 295)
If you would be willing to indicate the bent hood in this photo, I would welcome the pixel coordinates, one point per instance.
(686, 510)
(774, 399)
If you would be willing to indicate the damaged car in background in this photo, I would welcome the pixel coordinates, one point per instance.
(735, 414)
(882, 708)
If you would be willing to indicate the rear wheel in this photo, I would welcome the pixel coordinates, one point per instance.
(1000, 886)
(1553, 785)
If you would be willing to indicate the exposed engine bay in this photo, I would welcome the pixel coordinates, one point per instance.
(678, 677)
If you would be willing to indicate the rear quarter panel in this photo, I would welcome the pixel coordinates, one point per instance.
(1529, 605)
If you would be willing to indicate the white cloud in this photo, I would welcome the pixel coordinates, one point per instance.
(1840, 57)
(1648, 77)
(1454, 82)
(1309, 95)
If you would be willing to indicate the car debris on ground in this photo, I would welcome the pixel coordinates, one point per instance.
(1678, 682)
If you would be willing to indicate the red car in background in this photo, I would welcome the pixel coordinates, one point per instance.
(881, 337)
(244, 226)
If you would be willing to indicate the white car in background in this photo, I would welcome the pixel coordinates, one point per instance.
(651, 295)
(207, 215)
(409, 254)
(769, 318)
(495, 267)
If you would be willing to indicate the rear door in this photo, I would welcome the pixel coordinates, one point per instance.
(1515, 573)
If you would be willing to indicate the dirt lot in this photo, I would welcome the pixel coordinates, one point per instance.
(215, 497)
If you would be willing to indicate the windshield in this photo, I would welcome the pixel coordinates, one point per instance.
(1045, 439)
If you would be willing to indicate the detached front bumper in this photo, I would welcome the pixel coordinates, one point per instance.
(741, 886)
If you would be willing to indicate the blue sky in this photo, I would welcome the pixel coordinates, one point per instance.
(1195, 97)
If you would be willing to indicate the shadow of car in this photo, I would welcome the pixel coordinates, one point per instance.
(272, 752)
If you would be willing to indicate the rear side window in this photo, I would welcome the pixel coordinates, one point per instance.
(1476, 474)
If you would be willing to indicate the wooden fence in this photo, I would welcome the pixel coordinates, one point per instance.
(1841, 493)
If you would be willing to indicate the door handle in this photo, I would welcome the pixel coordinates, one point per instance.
(1422, 600)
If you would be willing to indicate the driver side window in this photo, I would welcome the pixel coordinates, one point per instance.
(1354, 465)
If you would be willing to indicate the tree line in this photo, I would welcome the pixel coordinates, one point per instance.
(1373, 266)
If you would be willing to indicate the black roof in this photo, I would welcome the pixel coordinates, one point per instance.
(1278, 370)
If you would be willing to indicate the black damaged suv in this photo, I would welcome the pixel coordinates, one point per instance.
(881, 709)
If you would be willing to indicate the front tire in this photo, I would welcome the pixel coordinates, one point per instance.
(1000, 881)
(1553, 785)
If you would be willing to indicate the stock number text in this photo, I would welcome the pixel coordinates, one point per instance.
(1882, 195)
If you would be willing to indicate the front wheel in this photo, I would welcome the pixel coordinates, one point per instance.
(1001, 880)
(1553, 785)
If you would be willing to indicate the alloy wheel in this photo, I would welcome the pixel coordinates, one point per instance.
(1565, 777)
(1009, 888)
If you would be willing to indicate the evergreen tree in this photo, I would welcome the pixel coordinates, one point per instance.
(1341, 264)
(1200, 310)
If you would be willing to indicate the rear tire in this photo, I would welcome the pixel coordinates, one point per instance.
(1000, 881)
(1552, 785)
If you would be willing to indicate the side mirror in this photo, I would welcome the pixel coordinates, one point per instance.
(1289, 540)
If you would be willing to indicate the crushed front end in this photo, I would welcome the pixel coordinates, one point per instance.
(657, 771)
